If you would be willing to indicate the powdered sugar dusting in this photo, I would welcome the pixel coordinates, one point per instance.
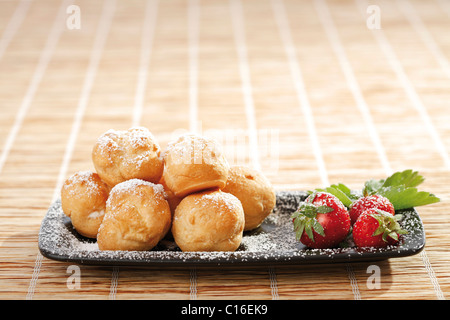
(139, 136)
(217, 199)
(131, 185)
(84, 178)
(274, 241)
(107, 143)
(132, 147)
(193, 149)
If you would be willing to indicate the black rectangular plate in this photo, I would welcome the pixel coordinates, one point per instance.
(272, 243)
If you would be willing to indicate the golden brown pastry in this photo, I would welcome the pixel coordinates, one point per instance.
(123, 155)
(194, 163)
(137, 217)
(173, 201)
(83, 199)
(254, 191)
(171, 198)
(208, 221)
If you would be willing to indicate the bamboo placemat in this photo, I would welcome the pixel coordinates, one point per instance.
(312, 92)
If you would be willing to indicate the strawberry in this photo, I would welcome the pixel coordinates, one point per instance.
(377, 228)
(321, 221)
(370, 202)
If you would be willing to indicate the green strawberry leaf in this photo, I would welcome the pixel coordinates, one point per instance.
(308, 229)
(308, 209)
(304, 218)
(372, 186)
(400, 189)
(403, 197)
(317, 228)
(299, 226)
(387, 225)
(407, 178)
(393, 235)
(342, 192)
(324, 209)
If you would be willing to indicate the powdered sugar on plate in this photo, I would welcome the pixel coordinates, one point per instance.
(273, 242)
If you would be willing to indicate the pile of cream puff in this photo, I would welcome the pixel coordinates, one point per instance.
(139, 195)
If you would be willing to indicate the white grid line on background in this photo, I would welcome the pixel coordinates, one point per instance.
(193, 34)
(285, 32)
(445, 6)
(353, 281)
(237, 19)
(408, 87)
(297, 78)
(193, 283)
(91, 72)
(114, 283)
(414, 19)
(273, 283)
(148, 34)
(97, 50)
(44, 60)
(432, 275)
(395, 64)
(13, 25)
(333, 37)
(238, 24)
(244, 70)
(193, 14)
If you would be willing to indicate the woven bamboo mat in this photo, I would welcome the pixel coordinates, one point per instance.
(312, 91)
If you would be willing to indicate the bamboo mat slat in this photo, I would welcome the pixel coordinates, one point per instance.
(341, 102)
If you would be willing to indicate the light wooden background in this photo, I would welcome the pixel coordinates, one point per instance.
(342, 102)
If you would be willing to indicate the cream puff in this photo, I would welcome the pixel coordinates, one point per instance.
(194, 163)
(208, 221)
(131, 154)
(254, 191)
(83, 199)
(137, 217)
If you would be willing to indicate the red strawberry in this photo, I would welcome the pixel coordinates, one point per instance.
(370, 202)
(377, 228)
(322, 221)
